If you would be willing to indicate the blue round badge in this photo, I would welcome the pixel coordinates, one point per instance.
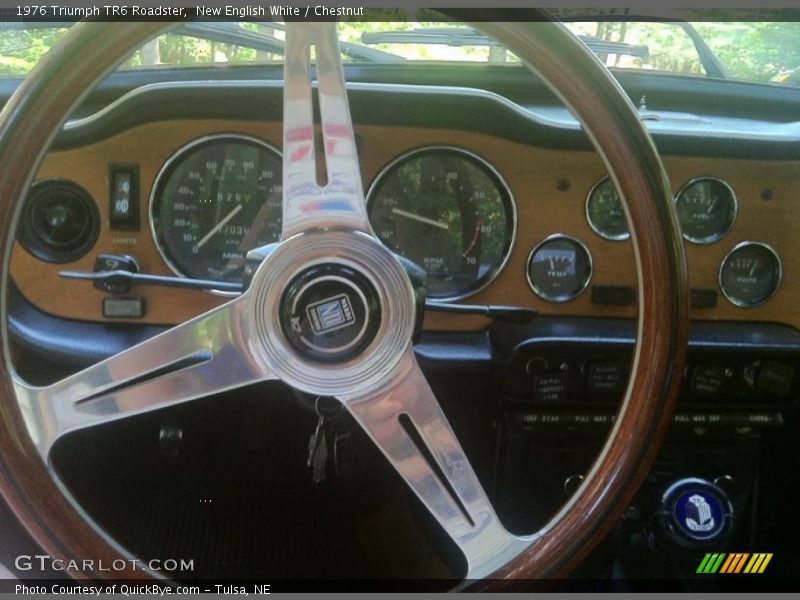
(695, 513)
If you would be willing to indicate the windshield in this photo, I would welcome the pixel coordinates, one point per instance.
(755, 51)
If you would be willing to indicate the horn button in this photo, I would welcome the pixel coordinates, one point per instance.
(330, 313)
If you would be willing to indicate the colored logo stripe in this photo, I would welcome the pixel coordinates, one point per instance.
(342, 205)
(711, 563)
(734, 563)
(758, 563)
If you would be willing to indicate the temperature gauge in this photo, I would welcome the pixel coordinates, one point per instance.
(750, 274)
(559, 268)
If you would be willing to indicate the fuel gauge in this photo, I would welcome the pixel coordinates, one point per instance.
(559, 268)
(706, 209)
(750, 274)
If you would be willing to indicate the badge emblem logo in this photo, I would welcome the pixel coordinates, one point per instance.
(330, 314)
(698, 514)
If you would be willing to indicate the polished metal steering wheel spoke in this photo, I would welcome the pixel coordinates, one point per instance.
(406, 422)
(207, 355)
(307, 204)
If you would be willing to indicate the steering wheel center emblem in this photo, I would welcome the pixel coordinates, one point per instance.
(330, 312)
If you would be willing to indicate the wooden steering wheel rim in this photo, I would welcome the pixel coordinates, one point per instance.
(38, 109)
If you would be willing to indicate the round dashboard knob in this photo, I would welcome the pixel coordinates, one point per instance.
(696, 513)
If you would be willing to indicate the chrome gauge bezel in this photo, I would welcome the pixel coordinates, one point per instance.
(710, 239)
(487, 280)
(598, 230)
(732, 299)
(566, 297)
(167, 168)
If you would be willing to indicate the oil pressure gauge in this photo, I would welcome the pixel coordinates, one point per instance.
(750, 274)
(706, 209)
(604, 211)
(559, 268)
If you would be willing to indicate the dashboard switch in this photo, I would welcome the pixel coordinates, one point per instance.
(613, 295)
(707, 379)
(605, 377)
(775, 378)
(123, 308)
(124, 197)
(702, 298)
(550, 387)
(114, 262)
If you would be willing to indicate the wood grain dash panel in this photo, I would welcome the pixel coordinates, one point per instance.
(532, 175)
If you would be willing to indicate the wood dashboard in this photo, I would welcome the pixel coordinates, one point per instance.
(549, 188)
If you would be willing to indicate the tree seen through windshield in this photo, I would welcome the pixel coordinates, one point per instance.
(764, 52)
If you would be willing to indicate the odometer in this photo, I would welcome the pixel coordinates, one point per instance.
(449, 212)
(706, 209)
(213, 201)
(750, 274)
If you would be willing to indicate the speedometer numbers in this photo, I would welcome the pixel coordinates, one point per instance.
(750, 274)
(559, 268)
(706, 209)
(448, 211)
(214, 200)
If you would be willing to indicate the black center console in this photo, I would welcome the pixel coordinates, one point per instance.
(565, 380)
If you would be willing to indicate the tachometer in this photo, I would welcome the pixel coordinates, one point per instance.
(750, 274)
(213, 201)
(448, 211)
(706, 209)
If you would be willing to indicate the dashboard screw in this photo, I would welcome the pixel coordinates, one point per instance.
(766, 194)
(563, 184)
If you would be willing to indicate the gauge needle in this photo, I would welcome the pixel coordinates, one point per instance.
(421, 219)
(218, 226)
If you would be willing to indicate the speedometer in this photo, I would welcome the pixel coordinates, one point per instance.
(448, 211)
(213, 201)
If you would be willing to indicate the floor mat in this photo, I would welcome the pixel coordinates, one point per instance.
(254, 537)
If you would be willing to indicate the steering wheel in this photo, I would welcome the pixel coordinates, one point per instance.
(331, 312)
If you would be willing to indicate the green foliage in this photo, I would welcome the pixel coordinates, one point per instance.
(21, 50)
(750, 49)
(754, 50)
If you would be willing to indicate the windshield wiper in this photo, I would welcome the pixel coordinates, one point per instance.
(234, 33)
(466, 36)
(226, 33)
(446, 36)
